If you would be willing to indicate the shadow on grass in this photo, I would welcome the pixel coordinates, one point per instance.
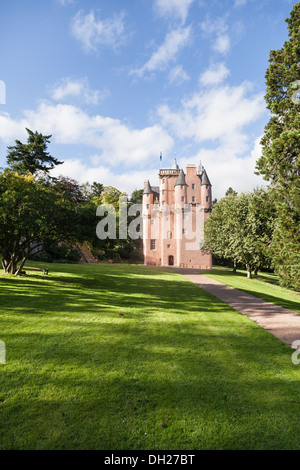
(293, 305)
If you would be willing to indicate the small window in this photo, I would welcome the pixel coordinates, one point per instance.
(168, 246)
(182, 198)
(207, 186)
(207, 198)
(148, 195)
(148, 206)
(152, 244)
(184, 230)
(181, 186)
(163, 181)
(193, 199)
(193, 186)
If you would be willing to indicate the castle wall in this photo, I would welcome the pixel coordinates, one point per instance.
(165, 230)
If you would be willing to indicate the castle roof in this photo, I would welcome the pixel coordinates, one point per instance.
(147, 189)
(205, 179)
(181, 179)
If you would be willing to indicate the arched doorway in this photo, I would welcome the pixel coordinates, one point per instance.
(171, 260)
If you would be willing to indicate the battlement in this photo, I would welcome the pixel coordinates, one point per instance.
(169, 172)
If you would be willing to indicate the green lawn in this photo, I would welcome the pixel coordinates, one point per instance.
(264, 286)
(177, 370)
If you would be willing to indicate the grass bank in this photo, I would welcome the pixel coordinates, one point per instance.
(127, 357)
(264, 285)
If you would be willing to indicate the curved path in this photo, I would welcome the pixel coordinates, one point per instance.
(281, 322)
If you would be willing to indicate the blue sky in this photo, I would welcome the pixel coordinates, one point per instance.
(116, 82)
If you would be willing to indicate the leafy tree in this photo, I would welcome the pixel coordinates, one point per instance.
(136, 197)
(240, 228)
(30, 213)
(92, 191)
(230, 192)
(280, 160)
(33, 156)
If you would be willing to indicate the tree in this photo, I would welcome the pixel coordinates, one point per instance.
(230, 192)
(33, 156)
(240, 228)
(30, 213)
(280, 160)
(137, 197)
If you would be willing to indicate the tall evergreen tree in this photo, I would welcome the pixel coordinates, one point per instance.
(33, 156)
(280, 160)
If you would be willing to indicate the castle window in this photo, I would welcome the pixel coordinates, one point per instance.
(193, 186)
(182, 198)
(181, 186)
(207, 198)
(207, 186)
(152, 244)
(168, 246)
(184, 230)
(148, 206)
(193, 199)
(163, 181)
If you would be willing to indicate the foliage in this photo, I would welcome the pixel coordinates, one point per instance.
(33, 156)
(280, 160)
(30, 213)
(241, 227)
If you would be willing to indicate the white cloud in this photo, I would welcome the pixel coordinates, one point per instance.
(177, 75)
(175, 8)
(92, 32)
(68, 87)
(239, 3)
(225, 167)
(127, 181)
(166, 52)
(214, 75)
(217, 28)
(222, 44)
(65, 2)
(218, 113)
(116, 143)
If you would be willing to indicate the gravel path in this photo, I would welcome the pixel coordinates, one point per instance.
(281, 322)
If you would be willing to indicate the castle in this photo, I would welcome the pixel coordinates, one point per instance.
(173, 218)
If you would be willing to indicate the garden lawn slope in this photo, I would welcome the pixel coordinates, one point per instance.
(125, 357)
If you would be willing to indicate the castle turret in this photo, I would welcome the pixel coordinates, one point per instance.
(205, 191)
(180, 190)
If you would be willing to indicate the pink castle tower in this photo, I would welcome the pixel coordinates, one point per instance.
(173, 218)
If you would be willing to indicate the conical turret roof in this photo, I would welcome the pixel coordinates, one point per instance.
(205, 179)
(147, 189)
(181, 179)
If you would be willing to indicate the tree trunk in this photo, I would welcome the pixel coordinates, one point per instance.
(249, 271)
(234, 266)
(19, 269)
(255, 271)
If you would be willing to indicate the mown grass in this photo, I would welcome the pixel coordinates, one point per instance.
(264, 285)
(127, 357)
